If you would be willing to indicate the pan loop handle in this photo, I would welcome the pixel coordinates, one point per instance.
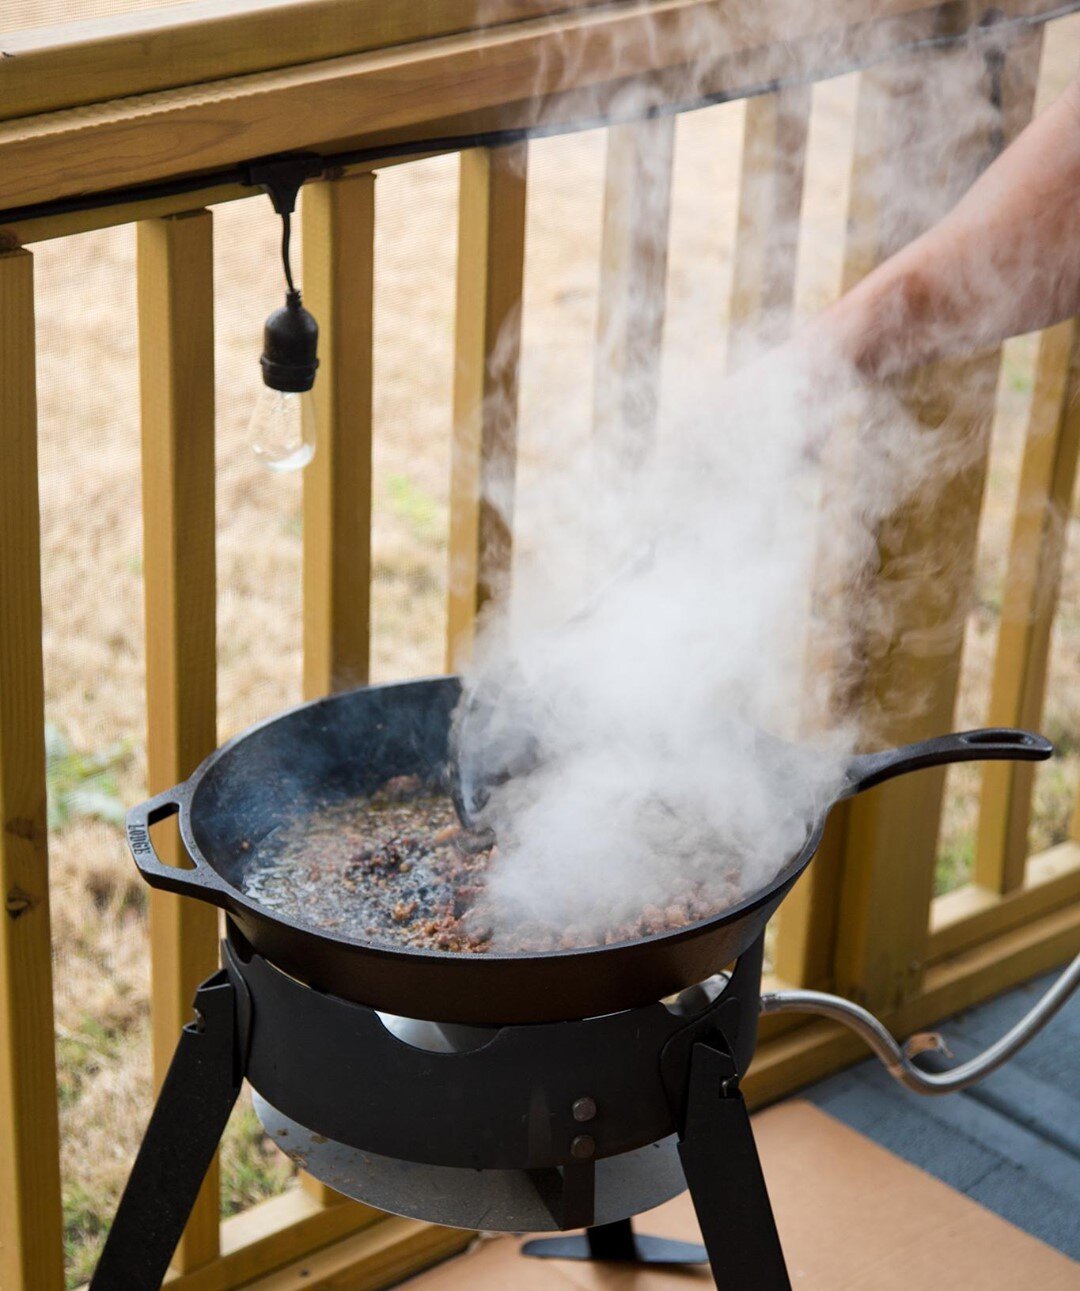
(990, 744)
(201, 881)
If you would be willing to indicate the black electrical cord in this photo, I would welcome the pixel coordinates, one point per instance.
(286, 235)
(299, 167)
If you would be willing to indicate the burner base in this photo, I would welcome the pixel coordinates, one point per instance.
(501, 1201)
(688, 1064)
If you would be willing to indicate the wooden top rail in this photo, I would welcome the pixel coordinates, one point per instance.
(71, 64)
(483, 78)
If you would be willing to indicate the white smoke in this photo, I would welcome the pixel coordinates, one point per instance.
(668, 633)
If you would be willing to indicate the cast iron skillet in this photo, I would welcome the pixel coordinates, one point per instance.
(350, 744)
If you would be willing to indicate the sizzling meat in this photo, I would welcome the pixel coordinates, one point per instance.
(398, 869)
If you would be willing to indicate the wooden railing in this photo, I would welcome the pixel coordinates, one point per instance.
(102, 106)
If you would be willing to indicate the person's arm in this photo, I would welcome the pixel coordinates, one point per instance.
(1005, 260)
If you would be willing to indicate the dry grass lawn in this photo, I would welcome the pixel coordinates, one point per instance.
(92, 540)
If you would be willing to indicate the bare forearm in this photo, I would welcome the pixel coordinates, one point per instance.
(1006, 260)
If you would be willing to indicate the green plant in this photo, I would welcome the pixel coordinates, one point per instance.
(85, 1222)
(956, 855)
(82, 784)
(413, 505)
(1052, 804)
(1021, 382)
(81, 1054)
(252, 1169)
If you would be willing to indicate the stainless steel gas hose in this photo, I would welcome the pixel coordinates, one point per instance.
(897, 1059)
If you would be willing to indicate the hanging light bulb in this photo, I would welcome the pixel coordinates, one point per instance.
(283, 427)
(282, 430)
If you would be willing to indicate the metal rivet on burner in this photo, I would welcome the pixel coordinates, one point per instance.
(582, 1147)
(583, 1109)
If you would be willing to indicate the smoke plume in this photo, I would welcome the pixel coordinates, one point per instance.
(663, 674)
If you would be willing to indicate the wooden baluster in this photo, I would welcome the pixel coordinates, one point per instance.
(773, 169)
(891, 838)
(176, 369)
(31, 1228)
(1047, 475)
(339, 246)
(775, 130)
(491, 256)
(633, 285)
(926, 554)
(339, 258)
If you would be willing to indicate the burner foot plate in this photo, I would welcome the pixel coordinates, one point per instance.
(504, 1201)
(646, 1250)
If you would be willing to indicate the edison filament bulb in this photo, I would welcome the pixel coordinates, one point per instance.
(282, 430)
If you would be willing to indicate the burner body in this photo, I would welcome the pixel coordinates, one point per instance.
(542, 1126)
(537, 1126)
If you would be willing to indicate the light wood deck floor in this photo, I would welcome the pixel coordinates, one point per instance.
(852, 1217)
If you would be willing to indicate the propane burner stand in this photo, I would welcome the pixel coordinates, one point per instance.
(561, 1125)
(560, 1094)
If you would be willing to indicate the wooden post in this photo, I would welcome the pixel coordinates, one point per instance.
(339, 245)
(927, 555)
(339, 251)
(31, 1228)
(775, 130)
(1047, 475)
(176, 369)
(633, 286)
(926, 551)
(491, 256)
(770, 202)
(807, 922)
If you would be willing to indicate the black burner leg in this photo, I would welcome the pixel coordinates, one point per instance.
(612, 1241)
(188, 1120)
(616, 1243)
(722, 1168)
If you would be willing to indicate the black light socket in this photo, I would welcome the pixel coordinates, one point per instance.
(290, 341)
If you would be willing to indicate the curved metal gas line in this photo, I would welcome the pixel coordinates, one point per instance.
(897, 1059)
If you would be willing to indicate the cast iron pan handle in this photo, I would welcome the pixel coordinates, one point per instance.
(992, 744)
(201, 881)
